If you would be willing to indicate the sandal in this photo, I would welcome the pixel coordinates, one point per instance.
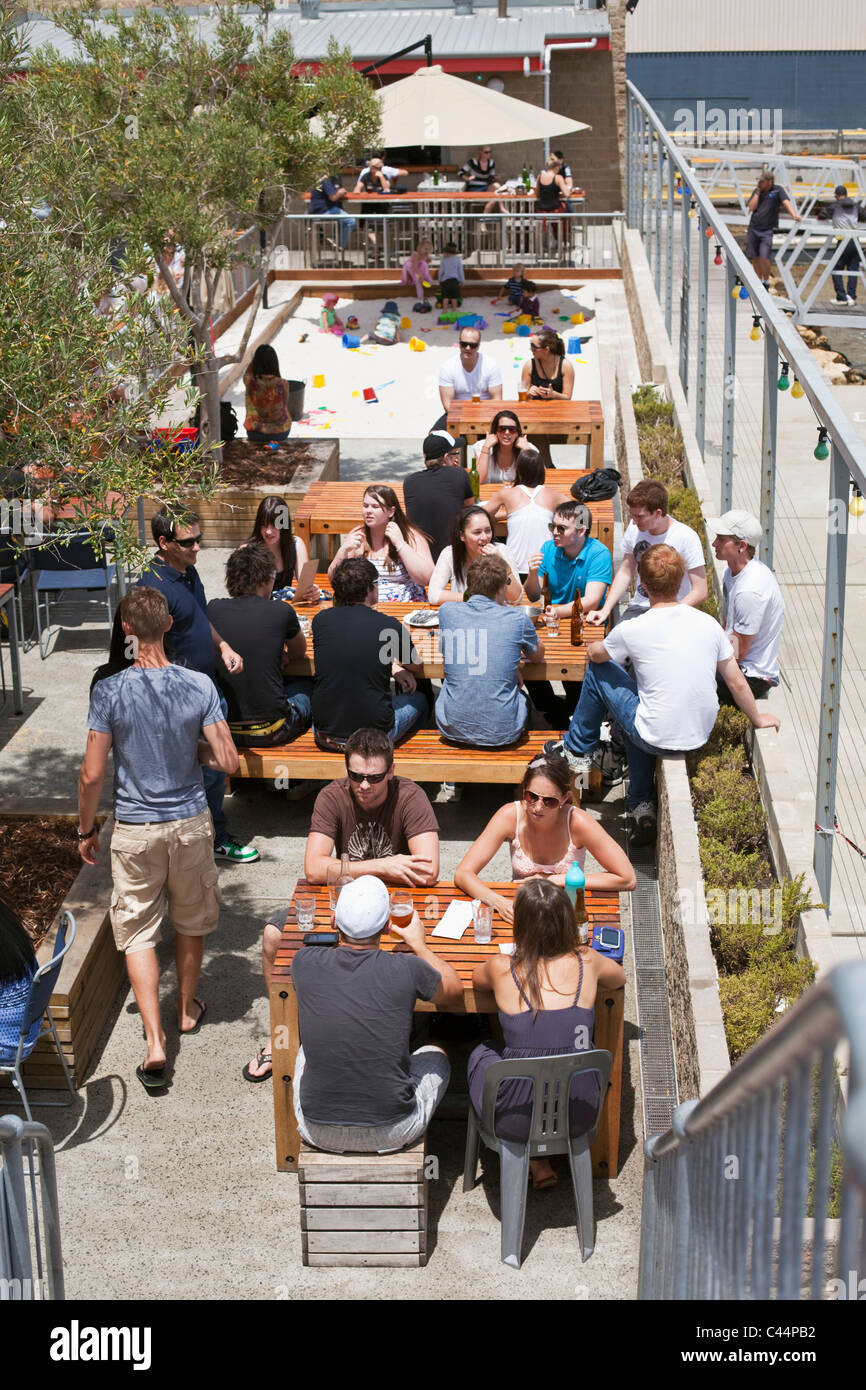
(261, 1059)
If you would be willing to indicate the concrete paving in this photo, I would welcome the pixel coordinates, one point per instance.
(176, 1195)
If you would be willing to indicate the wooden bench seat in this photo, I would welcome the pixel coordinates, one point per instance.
(363, 1209)
(424, 757)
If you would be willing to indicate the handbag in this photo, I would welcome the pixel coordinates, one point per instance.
(597, 486)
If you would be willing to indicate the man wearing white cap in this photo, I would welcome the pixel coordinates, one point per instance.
(357, 1087)
(754, 609)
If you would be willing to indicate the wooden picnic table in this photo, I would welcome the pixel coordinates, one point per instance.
(572, 422)
(334, 509)
(603, 911)
(562, 661)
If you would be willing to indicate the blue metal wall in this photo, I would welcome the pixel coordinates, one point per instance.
(815, 91)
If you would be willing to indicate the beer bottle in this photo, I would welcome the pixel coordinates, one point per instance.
(435, 178)
(545, 592)
(524, 177)
(575, 887)
(576, 621)
(474, 479)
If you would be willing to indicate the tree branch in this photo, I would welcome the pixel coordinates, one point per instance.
(173, 290)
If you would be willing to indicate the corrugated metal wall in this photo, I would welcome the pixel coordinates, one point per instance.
(746, 26)
(815, 91)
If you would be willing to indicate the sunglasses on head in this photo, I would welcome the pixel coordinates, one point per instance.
(190, 541)
(372, 777)
(550, 803)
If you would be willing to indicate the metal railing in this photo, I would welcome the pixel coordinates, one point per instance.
(31, 1264)
(737, 1194)
(654, 164)
(565, 241)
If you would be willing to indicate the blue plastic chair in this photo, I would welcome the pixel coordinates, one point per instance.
(68, 566)
(35, 1010)
(548, 1134)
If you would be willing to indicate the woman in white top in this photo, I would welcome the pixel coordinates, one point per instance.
(529, 506)
(398, 550)
(497, 454)
(471, 536)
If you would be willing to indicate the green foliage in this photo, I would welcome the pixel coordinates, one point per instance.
(710, 767)
(725, 867)
(733, 811)
(149, 138)
(661, 450)
(750, 999)
(743, 940)
(650, 408)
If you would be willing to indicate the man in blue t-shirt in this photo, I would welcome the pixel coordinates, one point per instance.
(193, 641)
(153, 716)
(577, 568)
(764, 205)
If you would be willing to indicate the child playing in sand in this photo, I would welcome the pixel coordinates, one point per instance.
(329, 319)
(451, 277)
(416, 270)
(521, 292)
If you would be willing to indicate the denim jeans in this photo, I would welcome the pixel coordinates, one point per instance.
(347, 224)
(850, 261)
(408, 710)
(215, 790)
(610, 690)
(298, 693)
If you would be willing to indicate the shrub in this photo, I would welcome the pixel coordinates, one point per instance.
(724, 867)
(743, 941)
(709, 769)
(650, 408)
(662, 457)
(750, 1000)
(734, 812)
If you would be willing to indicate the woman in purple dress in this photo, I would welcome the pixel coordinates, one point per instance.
(545, 993)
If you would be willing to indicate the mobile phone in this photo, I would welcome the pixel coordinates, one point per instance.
(609, 937)
(321, 938)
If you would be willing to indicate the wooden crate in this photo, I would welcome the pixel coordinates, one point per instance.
(363, 1209)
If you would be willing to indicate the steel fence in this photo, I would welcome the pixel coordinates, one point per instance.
(663, 190)
(31, 1264)
(738, 1194)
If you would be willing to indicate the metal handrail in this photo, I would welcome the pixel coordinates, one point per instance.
(726, 1188)
(24, 1234)
(791, 345)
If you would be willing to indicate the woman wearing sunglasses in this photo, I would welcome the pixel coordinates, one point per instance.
(529, 506)
(497, 453)
(546, 833)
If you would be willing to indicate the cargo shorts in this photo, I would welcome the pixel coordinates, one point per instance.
(162, 860)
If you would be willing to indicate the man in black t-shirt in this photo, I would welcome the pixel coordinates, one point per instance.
(764, 205)
(356, 652)
(434, 497)
(264, 708)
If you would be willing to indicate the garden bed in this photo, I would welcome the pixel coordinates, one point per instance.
(252, 471)
(93, 969)
(40, 864)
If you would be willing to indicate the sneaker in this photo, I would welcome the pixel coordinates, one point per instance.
(841, 299)
(580, 763)
(645, 823)
(450, 791)
(238, 854)
(851, 299)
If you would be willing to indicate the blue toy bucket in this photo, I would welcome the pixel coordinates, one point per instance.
(351, 341)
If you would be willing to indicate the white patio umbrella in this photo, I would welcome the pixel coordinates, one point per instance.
(433, 108)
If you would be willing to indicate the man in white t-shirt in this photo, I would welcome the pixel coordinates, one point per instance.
(650, 525)
(754, 609)
(470, 373)
(670, 703)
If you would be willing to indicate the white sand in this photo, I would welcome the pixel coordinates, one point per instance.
(406, 382)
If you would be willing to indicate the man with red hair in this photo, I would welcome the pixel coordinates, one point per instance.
(669, 705)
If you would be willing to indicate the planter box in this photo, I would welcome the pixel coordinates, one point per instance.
(90, 976)
(227, 516)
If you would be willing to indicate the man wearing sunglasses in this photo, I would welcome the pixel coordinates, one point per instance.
(468, 374)
(578, 569)
(193, 641)
(377, 823)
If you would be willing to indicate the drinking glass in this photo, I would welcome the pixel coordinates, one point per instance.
(551, 621)
(305, 907)
(402, 908)
(521, 393)
(482, 921)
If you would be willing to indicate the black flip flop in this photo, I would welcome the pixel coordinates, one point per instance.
(151, 1080)
(187, 1032)
(260, 1059)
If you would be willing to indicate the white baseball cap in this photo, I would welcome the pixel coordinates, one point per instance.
(363, 907)
(742, 525)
